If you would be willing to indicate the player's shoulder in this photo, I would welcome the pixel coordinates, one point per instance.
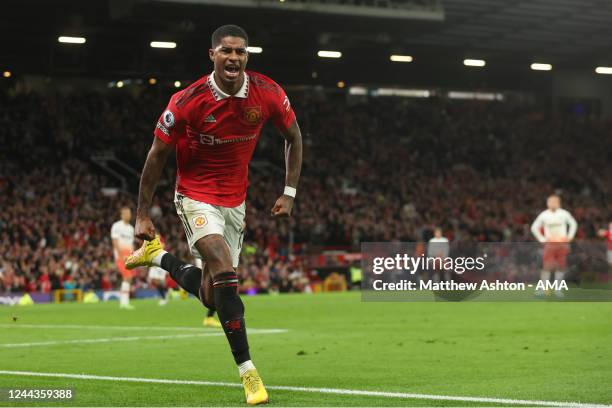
(187, 95)
(116, 225)
(264, 83)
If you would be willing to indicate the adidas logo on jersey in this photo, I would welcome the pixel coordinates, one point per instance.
(210, 119)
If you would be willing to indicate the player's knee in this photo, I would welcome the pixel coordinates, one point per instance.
(225, 286)
(215, 252)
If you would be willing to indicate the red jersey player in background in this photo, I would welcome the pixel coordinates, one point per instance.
(607, 234)
(214, 125)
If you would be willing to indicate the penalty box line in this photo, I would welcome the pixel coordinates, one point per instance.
(131, 338)
(336, 391)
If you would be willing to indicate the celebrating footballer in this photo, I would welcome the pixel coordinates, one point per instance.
(214, 125)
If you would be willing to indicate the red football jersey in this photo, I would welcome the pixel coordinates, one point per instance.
(215, 134)
(608, 236)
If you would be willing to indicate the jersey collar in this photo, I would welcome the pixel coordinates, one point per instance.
(218, 94)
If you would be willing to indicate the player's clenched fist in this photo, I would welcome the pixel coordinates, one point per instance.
(144, 228)
(283, 206)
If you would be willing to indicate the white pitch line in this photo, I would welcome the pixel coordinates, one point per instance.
(131, 338)
(104, 340)
(97, 327)
(101, 327)
(337, 391)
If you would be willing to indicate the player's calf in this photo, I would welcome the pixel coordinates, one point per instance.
(230, 310)
(188, 276)
(231, 314)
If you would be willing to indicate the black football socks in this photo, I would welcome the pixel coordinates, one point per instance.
(188, 277)
(231, 314)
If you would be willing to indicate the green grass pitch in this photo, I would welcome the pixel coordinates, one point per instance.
(544, 351)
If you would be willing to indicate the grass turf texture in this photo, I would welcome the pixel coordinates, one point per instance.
(536, 351)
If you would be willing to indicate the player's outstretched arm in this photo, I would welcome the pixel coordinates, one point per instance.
(293, 165)
(156, 159)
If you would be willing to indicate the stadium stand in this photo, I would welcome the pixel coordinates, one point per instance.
(479, 169)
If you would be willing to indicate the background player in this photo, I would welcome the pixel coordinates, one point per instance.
(214, 124)
(559, 229)
(438, 247)
(122, 236)
(607, 234)
(157, 277)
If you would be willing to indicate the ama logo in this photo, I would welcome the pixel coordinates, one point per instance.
(555, 285)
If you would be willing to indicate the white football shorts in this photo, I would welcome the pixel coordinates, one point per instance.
(202, 219)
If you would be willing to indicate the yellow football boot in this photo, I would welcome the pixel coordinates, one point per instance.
(144, 255)
(211, 322)
(253, 388)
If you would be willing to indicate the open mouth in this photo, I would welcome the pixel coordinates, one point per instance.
(232, 71)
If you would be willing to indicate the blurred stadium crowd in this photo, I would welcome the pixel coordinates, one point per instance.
(375, 169)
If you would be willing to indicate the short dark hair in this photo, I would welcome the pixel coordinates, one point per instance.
(228, 30)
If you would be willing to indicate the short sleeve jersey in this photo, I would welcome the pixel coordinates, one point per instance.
(124, 234)
(215, 134)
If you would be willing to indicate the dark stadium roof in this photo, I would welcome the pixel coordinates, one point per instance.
(508, 34)
(560, 30)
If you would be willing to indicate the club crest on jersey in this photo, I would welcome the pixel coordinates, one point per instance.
(200, 221)
(168, 118)
(252, 114)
